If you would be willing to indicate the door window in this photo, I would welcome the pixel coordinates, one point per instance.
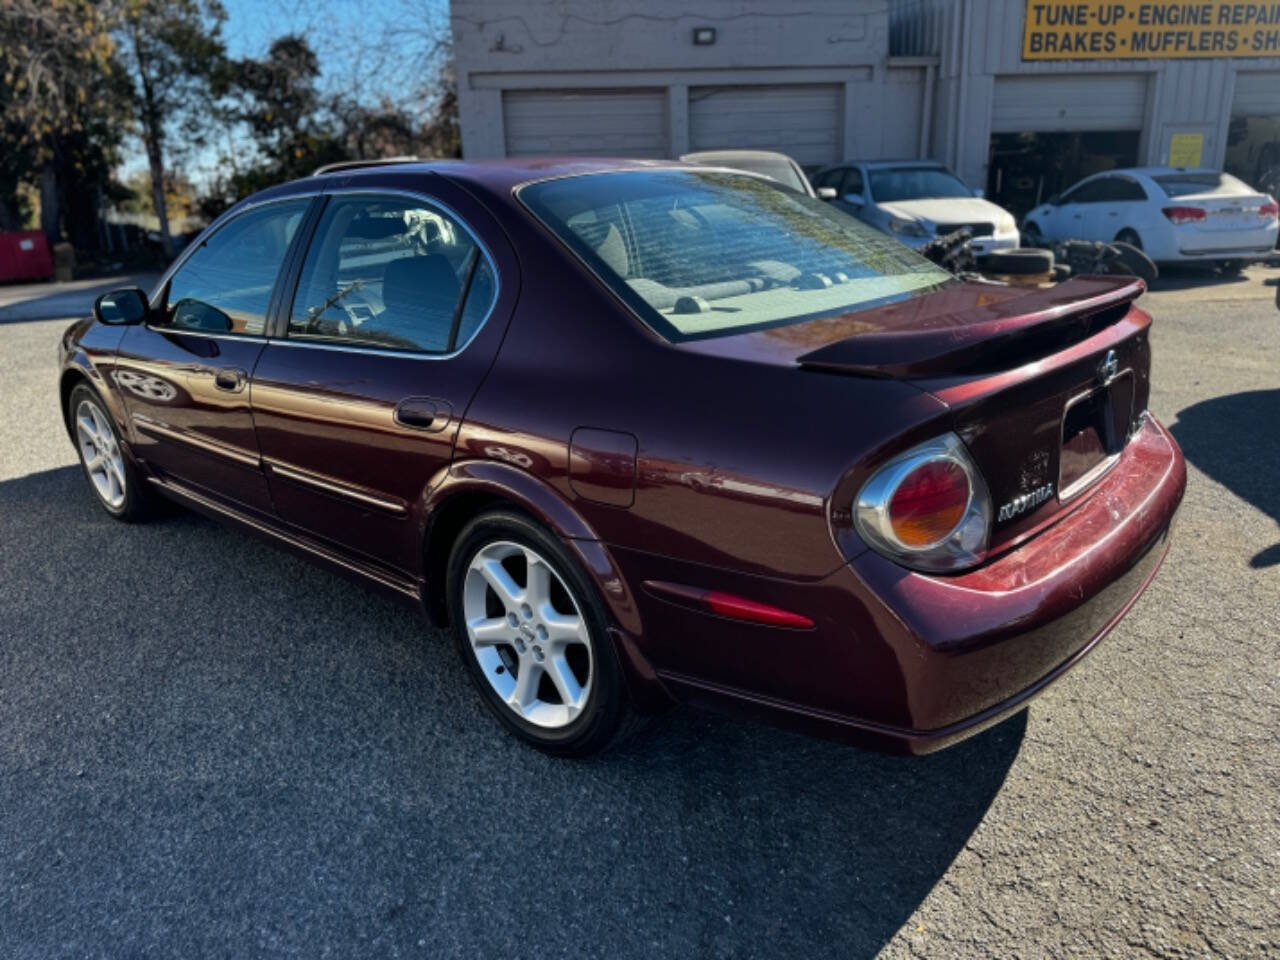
(1095, 191)
(392, 272)
(225, 285)
(852, 182)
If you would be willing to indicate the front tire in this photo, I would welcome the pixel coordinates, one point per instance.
(1231, 268)
(532, 633)
(114, 480)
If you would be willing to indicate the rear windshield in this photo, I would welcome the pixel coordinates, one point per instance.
(700, 254)
(915, 183)
(1190, 184)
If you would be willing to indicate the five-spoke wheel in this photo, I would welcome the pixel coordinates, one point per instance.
(531, 630)
(100, 453)
(528, 633)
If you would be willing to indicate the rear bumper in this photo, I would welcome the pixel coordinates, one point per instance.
(908, 662)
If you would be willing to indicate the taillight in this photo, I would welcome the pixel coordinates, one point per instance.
(1269, 210)
(1180, 215)
(927, 508)
(929, 503)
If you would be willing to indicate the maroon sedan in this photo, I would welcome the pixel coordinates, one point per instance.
(643, 432)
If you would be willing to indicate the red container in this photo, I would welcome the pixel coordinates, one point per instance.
(25, 256)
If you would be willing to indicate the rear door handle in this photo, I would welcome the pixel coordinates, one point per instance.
(230, 379)
(424, 413)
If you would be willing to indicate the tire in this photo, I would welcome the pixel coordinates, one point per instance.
(574, 701)
(1231, 268)
(117, 484)
(1137, 262)
(1130, 237)
(1032, 236)
(1021, 262)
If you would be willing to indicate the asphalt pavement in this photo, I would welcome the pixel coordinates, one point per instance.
(213, 749)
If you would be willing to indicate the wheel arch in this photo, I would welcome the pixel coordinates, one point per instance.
(468, 489)
(473, 487)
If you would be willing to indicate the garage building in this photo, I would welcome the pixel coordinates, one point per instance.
(967, 82)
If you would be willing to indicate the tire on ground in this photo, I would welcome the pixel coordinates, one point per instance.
(1020, 262)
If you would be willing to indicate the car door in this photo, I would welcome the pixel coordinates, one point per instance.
(1075, 217)
(1123, 207)
(184, 374)
(387, 336)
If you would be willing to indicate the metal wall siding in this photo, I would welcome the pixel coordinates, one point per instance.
(620, 123)
(1257, 94)
(803, 120)
(1077, 102)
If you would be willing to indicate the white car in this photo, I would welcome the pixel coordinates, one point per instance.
(1174, 215)
(915, 201)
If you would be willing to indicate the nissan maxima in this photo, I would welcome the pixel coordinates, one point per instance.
(640, 433)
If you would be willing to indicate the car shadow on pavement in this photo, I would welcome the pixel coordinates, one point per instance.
(214, 747)
(1194, 277)
(1233, 439)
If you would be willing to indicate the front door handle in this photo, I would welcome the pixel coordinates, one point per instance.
(230, 379)
(424, 413)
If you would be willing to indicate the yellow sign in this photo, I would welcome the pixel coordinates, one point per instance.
(1149, 29)
(1186, 149)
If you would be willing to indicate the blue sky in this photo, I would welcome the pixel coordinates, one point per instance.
(360, 45)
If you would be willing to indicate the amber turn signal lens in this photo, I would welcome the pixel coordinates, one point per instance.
(929, 503)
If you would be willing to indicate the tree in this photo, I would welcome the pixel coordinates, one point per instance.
(60, 83)
(173, 49)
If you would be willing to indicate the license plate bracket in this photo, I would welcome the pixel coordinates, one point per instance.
(1095, 428)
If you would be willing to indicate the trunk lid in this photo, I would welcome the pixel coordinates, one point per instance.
(1044, 387)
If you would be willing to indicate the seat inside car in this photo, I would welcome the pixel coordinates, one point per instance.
(419, 296)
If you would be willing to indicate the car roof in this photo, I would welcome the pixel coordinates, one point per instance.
(1153, 171)
(502, 174)
(731, 154)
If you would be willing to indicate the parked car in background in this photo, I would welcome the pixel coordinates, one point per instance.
(642, 432)
(1173, 215)
(776, 166)
(915, 201)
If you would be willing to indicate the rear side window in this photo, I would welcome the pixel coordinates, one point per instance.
(1127, 190)
(1191, 184)
(392, 272)
(698, 254)
(225, 285)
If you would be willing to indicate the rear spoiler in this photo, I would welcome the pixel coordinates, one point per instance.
(997, 336)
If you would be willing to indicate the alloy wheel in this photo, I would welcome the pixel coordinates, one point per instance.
(528, 634)
(100, 454)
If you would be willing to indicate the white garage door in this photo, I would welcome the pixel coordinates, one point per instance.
(800, 120)
(1069, 103)
(612, 123)
(1257, 95)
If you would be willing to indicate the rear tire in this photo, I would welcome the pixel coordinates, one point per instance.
(533, 635)
(117, 484)
(1130, 237)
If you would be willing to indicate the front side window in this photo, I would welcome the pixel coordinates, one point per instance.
(852, 183)
(392, 272)
(1095, 191)
(225, 285)
(916, 183)
(699, 254)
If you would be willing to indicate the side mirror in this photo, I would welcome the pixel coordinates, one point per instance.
(826, 193)
(121, 307)
(1055, 200)
(979, 193)
(854, 199)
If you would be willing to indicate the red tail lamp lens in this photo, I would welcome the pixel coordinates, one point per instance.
(929, 503)
(1184, 214)
(1269, 210)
